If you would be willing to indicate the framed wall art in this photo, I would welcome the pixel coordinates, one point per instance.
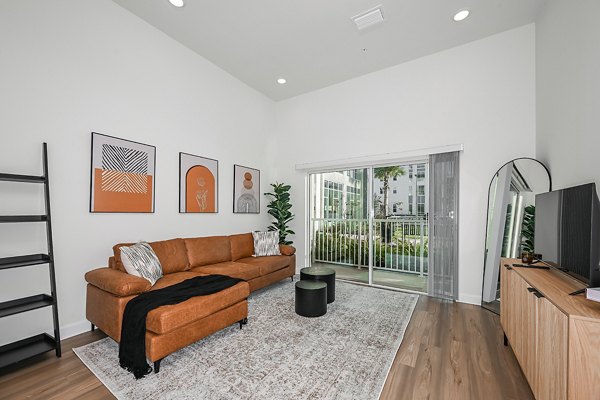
(246, 190)
(122, 175)
(198, 184)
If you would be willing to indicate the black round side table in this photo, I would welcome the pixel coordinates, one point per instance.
(311, 298)
(321, 274)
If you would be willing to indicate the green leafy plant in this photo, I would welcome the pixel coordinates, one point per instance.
(279, 208)
(384, 174)
(528, 229)
(334, 247)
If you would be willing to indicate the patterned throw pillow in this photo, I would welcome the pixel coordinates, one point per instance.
(140, 260)
(266, 243)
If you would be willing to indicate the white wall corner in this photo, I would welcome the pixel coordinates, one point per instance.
(74, 329)
(474, 299)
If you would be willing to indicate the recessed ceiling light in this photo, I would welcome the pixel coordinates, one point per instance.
(461, 15)
(177, 3)
(281, 81)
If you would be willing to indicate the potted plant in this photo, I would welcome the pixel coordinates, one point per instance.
(279, 208)
(528, 229)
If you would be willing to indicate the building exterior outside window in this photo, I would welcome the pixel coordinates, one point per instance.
(340, 195)
(332, 199)
(409, 196)
(420, 200)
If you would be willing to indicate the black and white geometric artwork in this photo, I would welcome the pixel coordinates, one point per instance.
(122, 175)
(123, 169)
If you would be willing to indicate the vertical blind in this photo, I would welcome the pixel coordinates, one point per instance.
(443, 220)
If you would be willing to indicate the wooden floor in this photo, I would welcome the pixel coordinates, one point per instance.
(454, 351)
(450, 351)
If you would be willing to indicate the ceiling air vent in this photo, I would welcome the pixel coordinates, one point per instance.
(368, 18)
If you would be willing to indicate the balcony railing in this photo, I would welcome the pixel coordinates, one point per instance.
(399, 244)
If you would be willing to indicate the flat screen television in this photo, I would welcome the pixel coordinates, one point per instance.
(567, 231)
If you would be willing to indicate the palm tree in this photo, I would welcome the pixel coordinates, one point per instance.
(384, 174)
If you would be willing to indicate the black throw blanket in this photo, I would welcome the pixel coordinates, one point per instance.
(132, 349)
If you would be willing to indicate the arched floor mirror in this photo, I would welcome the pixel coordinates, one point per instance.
(510, 219)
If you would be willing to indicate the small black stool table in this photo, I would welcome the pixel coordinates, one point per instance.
(321, 274)
(311, 298)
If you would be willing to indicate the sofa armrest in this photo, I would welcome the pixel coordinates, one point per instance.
(116, 282)
(287, 250)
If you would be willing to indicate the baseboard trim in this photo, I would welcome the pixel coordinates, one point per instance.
(74, 329)
(470, 299)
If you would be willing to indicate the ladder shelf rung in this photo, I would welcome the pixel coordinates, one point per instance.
(22, 218)
(15, 352)
(22, 178)
(25, 304)
(24, 261)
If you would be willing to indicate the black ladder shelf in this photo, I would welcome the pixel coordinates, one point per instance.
(20, 350)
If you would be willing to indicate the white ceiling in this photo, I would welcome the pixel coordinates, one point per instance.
(314, 43)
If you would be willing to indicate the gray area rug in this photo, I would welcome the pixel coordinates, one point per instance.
(345, 354)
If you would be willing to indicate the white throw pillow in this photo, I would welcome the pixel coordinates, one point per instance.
(266, 243)
(140, 260)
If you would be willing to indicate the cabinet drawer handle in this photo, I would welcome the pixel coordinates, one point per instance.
(508, 267)
(535, 292)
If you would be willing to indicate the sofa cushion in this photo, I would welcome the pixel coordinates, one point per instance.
(267, 264)
(266, 243)
(242, 246)
(233, 269)
(168, 318)
(174, 278)
(140, 260)
(172, 255)
(117, 264)
(119, 283)
(208, 250)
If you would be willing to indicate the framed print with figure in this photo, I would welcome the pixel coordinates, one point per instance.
(246, 190)
(198, 184)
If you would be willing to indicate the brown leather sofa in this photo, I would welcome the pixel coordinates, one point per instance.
(170, 328)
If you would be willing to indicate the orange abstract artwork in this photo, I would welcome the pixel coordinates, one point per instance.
(200, 190)
(123, 201)
(122, 175)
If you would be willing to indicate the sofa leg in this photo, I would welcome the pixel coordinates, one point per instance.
(505, 340)
(93, 327)
(292, 278)
(243, 322)
(157, 366)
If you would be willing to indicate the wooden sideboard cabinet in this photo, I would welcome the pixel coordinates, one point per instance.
(555, 337)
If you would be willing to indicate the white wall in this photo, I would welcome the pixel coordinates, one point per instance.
(481, 94)
(568, 89)
(69, 67)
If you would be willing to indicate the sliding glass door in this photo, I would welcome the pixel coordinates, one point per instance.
(339, 226)
(371, 224)
(400, 226)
